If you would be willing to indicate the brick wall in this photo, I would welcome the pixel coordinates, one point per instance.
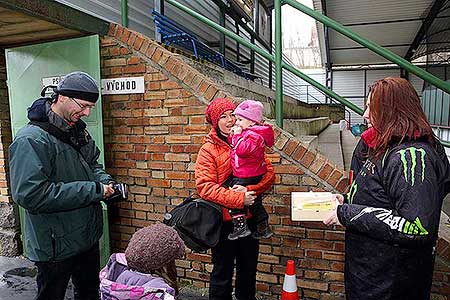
(9, 221)
(5, 130)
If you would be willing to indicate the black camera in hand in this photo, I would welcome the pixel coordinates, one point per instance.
(120, 192)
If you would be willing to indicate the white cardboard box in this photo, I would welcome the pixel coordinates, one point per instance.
(311, 206)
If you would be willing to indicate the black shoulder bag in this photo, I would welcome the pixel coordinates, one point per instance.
(198, 222)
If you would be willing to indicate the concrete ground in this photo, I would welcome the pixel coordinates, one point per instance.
(18, 282)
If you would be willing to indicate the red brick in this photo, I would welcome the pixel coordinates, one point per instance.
(167, 85)
(210, 93)
(164, 59)
(145, 45)
(176, 157)
(176, 102)
(138, 173)
(115, 62)
(198, 110)
(336, 175)
(313, 285)
(281, 141)
(308, 158)
(133, 60)
(112, 29)
(196, 82)
(291, 146)
(138, 42)
(176, 69)
(203, 87)
(118, 32)
(343, 185)
(325, 172)
(287, 169)
(151, 50)
(317, 164)
(131, 39)
(158, 182)
(176, 175)
(125, 35)
(196, 129)
(157, 54)
(134, 69)
(299, 152)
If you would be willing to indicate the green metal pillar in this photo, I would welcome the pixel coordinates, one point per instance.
(278, 65)
(124, 12)
(222, 43)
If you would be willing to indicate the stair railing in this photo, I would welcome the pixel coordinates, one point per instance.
(280, 64)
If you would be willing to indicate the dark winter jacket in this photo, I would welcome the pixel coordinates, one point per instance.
(58, 187)
(392, 220)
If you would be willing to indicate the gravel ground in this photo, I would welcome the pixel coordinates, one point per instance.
(18, 282)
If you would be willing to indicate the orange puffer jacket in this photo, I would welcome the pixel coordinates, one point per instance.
(212, 169)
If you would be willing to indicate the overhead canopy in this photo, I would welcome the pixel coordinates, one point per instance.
(404, 27)
(26, 22)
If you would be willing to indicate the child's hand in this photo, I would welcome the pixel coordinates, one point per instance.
(236, 130)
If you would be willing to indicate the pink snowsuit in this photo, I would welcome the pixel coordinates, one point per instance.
(248, 150)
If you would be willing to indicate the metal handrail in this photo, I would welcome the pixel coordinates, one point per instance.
(269, 57)
(389, 55)
(280, 64)
(332, 101)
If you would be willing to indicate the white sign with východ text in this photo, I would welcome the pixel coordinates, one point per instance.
(125, 85)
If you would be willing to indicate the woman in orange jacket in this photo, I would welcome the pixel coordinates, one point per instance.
(212, 170)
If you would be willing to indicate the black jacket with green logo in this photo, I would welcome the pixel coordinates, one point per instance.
(392, 221)
(58, 187)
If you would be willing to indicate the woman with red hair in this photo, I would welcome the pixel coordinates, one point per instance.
(392, 210)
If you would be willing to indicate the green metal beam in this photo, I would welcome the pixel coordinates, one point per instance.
(389, 55)
(323, 89)
(124, 12)
(278, 65)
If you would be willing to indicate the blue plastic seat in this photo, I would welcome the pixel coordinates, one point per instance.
(173, 34)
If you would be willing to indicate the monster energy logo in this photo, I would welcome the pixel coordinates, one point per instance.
(394, 222)
(412, 152)
(352, 192)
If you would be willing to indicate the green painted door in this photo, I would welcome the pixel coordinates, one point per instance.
(29, 66)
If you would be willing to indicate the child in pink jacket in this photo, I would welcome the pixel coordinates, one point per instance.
(249, 138)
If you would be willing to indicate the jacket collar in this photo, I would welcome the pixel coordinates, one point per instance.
(214, 139)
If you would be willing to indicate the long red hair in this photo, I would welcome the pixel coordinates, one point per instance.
(396, 114)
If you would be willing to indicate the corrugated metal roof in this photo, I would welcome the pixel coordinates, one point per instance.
(388, 23)
(368, 11)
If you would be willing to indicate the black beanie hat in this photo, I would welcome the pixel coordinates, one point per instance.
(78, 85)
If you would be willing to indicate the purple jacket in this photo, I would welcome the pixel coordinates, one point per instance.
(248, 151)
(118, 282)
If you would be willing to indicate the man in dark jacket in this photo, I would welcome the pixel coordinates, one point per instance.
(56, 178)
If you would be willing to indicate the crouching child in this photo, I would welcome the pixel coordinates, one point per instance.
(147, 268)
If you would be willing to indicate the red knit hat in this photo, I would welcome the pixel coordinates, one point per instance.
(216, 108)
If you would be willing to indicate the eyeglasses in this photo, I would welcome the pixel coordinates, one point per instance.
(83, 107)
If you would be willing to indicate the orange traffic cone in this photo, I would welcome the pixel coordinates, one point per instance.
(290, 291)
